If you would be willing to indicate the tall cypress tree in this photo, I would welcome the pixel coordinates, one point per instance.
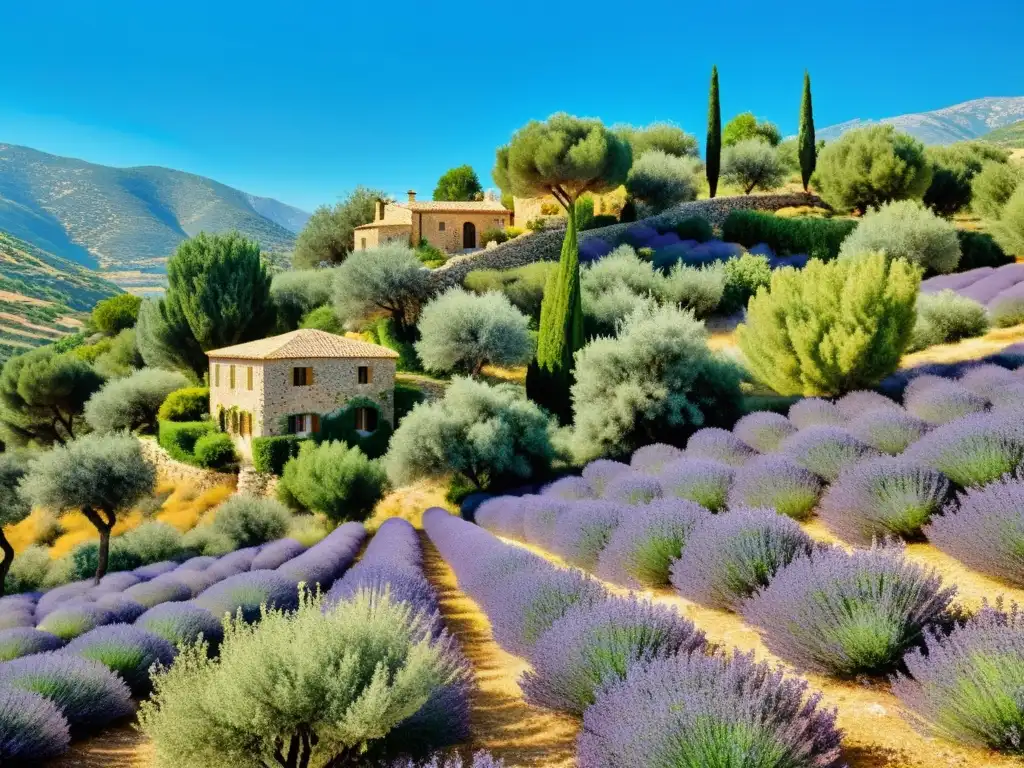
(713, 153)
(805, 140)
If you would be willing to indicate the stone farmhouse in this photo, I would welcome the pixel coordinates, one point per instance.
(284, 384)
(451, 226)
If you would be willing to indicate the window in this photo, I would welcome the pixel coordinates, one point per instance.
(216, 375)
(303, 423)
(231, 377)
(248, 378)
(365, 374)
(302, 377)
(234, 420)
(366, 419)
(499, 223)
(440, 226)
(362, 243)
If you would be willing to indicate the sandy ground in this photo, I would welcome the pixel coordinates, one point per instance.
(119, 747)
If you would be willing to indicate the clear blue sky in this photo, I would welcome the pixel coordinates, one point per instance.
(302, 101)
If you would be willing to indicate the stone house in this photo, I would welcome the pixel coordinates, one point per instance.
(284, 384)
(450, 226)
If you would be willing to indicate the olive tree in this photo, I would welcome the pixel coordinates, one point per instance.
(389, 279)
(97, 475)
(1009, 230)
(14, 507)
(753, 163)
(662, 180)
(133, 402)
(461, 332)
(906, 230)
(329, 235)
(565, 157)
(992, 187)
(745, 126)
(660, 137)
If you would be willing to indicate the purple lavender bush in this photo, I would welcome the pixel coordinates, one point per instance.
(890, 431)
(969, 686)
(277, 553)
(24, 641)
(942, 402)
(718, 445)
(703, 481)
(598, 473)
(197, 563)
(87, 693)
(701, 710)
(74, 618)
(152, 570)
(502, 515)
(17, 616)
(127, 650)
(479, 760)
(855, 404)
(571, 488)
(540, 513)
(729, 557)
(763, 430)
(583, 530)
(974, 450)
(326, 560)
(826, 451)
(643, 546)
(633, 489)
(651, 458)
(58, 595)
(987, 379)
(165, 588)
(815, 412)
(777, 483)
(182, 624)
(32, 729)
(594, 645)
(405, 584)
(116, 582)
(849, 613)
(247, 592)
(883, 497)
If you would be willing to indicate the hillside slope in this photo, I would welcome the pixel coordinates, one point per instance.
(42, 296)
(126, 222)
(1009, 136)
(959, 122)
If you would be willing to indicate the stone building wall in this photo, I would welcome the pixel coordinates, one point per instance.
(450, 240)
(365, 239)
(225, 397)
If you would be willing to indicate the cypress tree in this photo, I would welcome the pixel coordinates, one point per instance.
(713, 153)
(805, 140)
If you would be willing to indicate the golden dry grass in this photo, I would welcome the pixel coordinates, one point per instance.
(969, 349)
(184, 508)
(409, 502)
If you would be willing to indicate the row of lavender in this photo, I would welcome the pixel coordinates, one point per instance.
(52, 690)
(999, 289)
(648, 687)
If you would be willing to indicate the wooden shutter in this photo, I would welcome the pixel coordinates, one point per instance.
(309, 376)
(216, 375)
(231, 377)
(369, 374)
(316, 423)
(248, 378)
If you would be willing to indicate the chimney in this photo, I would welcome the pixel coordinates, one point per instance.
(380, 209)
(412, 195)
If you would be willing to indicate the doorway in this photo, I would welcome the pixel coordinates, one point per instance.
(468, 235)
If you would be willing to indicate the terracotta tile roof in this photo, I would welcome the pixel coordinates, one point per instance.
(475, 206)
(306, 342)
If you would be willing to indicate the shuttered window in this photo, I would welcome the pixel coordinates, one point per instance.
(365, 374)
(231, 377)
(216, 375)
(248, 378)
(302, 377)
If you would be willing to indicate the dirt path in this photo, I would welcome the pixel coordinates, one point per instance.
(876, 736)
(118, 747)
(500, 720)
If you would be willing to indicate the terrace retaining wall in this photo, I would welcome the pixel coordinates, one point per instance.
(168, 469)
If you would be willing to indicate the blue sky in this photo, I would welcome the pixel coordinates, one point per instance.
(302, 101)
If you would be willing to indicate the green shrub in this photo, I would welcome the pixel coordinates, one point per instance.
(29, 571)
(341, 425)
(322, 319)
(298, 292)
(992, 187)
(385, 334)
(493, 235)
(151, 542)
(514, 231)
(132, 403)
(248, 520)
(743, 276)
(979, 249)
(113, 315)
(205, 540)
(695, 228)
(584, 213)
(656, 382)
(215, 451)
(752, 164)
(406, 398)
(906, 230)
(830, 328)
(335, 479)
(343, 679)
(953, 169)
(524, 286)
(461, 332)
(188, 404)
(1009, 230)
(818, 238)
(698, 289)
(945, 317)
(868, 167)
(430, 255)
(269, 454)
(661, 180)
(179, 438)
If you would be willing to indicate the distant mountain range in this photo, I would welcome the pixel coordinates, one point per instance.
(126, 222)
(960, 122)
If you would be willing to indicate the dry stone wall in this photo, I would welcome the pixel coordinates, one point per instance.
(170, 470)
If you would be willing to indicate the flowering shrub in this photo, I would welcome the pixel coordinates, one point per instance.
(277, 553)
(704, 481)
(651, 458)
(503, 515)
(708, 710)
(569, 488)
(974, 450)
(883, 497)
(594, 645)
(643, 546)
(583, 530)
(826, 451)
(729, 557)
(778, 483)
(152, 570)
(23, 641)
(719, 445)
(633, 489)
(969, 685)
(127, 650)
(598, 473)
(941, 402)
(247, 592)
(123, 609)
(854, 405)
(849, 613)
(889, 430)
(182, 624)
(813, 412)
(74, 618)
(540, 513)
(326, 560)
(986, 380)
(87, 693)
(763, 430)
(163, 589)
(17, 616)
(32, 729)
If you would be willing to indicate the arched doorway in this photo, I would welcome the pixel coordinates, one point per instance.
(468, 235)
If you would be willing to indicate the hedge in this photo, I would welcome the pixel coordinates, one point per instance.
(188, 404)
(179, 438)
(818, 238)
(270, 454)
(341, 425)
(979, 249)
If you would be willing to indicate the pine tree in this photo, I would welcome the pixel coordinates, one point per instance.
(805, 141)
(713, 154)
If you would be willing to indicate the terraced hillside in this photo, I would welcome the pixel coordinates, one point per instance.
(42, 296)
(126, 222)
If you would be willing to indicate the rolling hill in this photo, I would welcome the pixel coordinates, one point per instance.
(960, 122)
(126, 222)
(1009, 136)
(42, 297)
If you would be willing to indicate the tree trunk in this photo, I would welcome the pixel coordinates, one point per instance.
(104, 527)
(5, 563)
